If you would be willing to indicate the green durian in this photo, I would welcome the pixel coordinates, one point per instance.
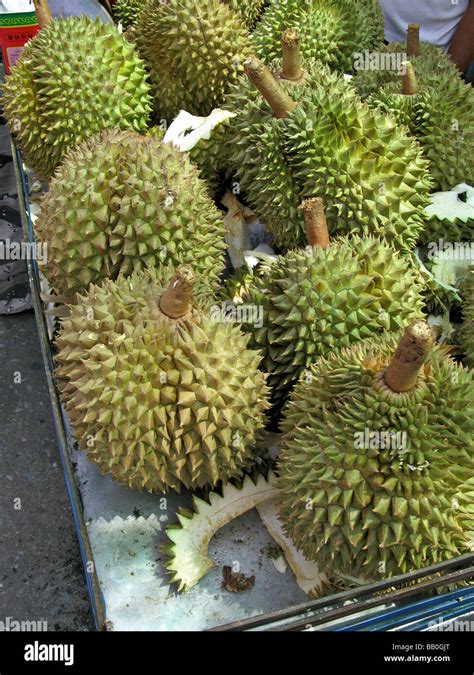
(331, 31)
(376, 473)
(433, 66)
(323, 297)
(321, 140)
(249, 10)
(160, 396)
(194, 50)
(126, 12)
(120, 202)
(74, 78)
(468, 316)
(441, 119)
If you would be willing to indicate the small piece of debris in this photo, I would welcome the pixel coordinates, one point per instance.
(136, 512)
(235, 582)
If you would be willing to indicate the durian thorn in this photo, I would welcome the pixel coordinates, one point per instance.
(317, 232)
(43, 12)
(177, 296)
(412, 351)
(410, 85)
(413, 39)
(291, 64)
(272, 92)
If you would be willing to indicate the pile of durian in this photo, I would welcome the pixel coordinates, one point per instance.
(354, 346)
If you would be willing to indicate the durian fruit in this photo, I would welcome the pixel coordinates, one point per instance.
(433, 66)
(331, 31)
(450, 215)
(159, 394)
(249, 10)
(377, 470)
(126, 12)
(468, 316)
(309, 134)
(120, 202)
(75, 77)
(194, 50)
(441, 119)
(327, 296)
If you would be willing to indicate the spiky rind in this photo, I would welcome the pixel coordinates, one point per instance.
(121, 202)
(158, 402)
(431, 66)
(442, 120)
(379, 509)
(126, 12)
(75, 78)
(249, 10)
(330, 31)
(316, 300)
(370, 173)
(194, 53)
(188, 558)
(468, 316)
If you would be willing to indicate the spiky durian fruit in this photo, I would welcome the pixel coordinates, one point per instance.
(120, 202)
(160, 395)
(319, 139)
(442, 121)
(75, 77)
(433, 66)
(327, 296)
(194, 51)
(468, 316)
(126, 12)
(376, 472)
(249, 10)
(331, 31)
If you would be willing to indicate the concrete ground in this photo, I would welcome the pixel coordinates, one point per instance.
(41, 574)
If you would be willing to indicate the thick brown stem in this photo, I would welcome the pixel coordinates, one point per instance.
(316, 226)
(272, 92)
(412, 351)
(291, 67)
(410, 85)
(176, 298)
(413, 39)
(43, 12)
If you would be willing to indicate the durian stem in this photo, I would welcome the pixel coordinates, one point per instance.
(275, 96)
(413, 39)
(410, 85)
(316, 225)
(177, 296)
(43, 12)
(291, 67)
(412, 351)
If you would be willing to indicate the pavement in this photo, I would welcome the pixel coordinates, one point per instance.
(41, 573)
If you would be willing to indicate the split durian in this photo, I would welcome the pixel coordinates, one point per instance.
(442, 120)
(377, 471)
(450, 215)
(327, 296)
(120, 202)
(319, 139)
(331, 31)
(160, 395)
(194, 50)
(74, 78)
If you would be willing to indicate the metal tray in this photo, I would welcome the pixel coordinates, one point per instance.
(120, 532)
